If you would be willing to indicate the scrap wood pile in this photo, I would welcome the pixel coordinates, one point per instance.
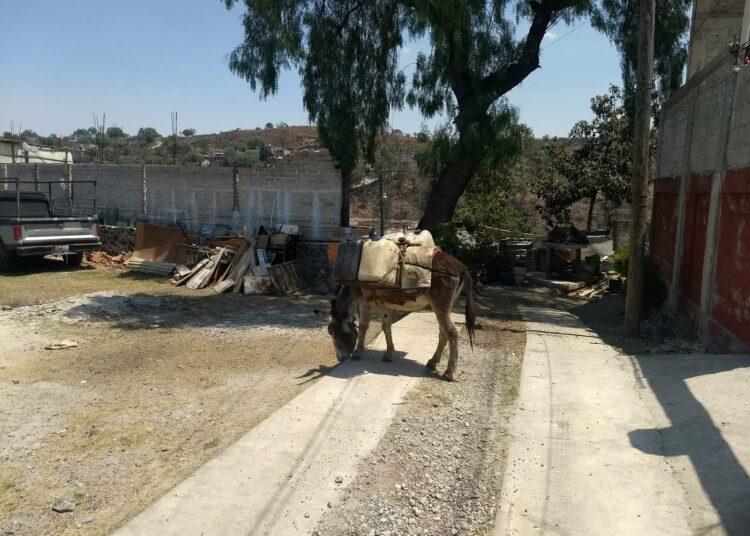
(104, 259)
(591, 292)
(225, 263)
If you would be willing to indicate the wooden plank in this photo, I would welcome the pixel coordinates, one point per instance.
(247, 261)
(216, 264)
(238, 256)
(201, 279)
(197, 268)
(223, 286)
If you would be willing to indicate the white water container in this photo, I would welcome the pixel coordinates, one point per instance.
(422, 238)
(379, 263)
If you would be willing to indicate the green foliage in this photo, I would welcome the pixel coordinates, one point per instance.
(347, 54)
(52, 140)
(423, 136)
(621, 261)
(123, 160)
(619, 21)
(188, 132)
(169, 144)
(241, 158)
(115, 132)
(654, 287)
(595, 160)
(148, 135)
(268, 125)
(446, 237)
(192, 156)
(155, 159)
(260, 145)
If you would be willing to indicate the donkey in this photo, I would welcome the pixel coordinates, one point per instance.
(449, 277)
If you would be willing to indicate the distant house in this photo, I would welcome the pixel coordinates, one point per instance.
(20, 152)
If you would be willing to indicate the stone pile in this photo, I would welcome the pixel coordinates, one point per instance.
(117, 240)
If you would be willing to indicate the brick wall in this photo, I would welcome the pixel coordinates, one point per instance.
(302, 189)
(701, 211)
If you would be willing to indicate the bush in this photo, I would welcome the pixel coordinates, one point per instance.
(241, 158)
(654, 287)
(485, 260)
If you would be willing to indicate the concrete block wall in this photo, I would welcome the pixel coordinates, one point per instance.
(302, 189)
(700, 235)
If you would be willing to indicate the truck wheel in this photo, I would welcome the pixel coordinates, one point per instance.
(74, 259)
(6, 259)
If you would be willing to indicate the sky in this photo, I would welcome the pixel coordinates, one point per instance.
(139, 60)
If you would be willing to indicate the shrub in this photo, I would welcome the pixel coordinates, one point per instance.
(654, 288)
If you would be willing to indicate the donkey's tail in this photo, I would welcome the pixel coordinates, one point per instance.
(470, 311)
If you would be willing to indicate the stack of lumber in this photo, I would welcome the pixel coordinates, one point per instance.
(235, 266)
(151, 267)
(591, 292)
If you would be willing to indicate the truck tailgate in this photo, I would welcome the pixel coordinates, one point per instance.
(58, 230)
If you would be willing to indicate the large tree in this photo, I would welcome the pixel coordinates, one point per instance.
(596, 160)
(346, 52)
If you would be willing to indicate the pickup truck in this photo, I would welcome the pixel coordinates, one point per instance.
(35, 224)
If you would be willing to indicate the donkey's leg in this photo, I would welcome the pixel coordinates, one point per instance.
(387, 321)
(452, 334)
(364, 323)
(442, 341)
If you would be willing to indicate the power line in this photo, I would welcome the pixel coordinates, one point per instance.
(563, 36)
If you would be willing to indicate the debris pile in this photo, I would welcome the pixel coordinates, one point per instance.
(104, 259)
(222, 261)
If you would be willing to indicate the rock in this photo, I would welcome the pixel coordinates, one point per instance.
(62, 506)
(87, 519)
(6, 308)
(62, 345)
(338, 479)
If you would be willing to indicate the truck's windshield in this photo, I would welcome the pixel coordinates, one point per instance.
(30, 208)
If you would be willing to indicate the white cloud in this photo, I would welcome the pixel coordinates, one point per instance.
(549, 36)
(404, 51)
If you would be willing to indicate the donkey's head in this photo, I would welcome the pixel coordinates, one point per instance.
(341, 323)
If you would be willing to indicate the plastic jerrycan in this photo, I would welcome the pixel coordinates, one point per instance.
(379, 262)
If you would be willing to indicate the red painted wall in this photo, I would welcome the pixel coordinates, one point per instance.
(694, 245)
(731, 307)
(664, 224)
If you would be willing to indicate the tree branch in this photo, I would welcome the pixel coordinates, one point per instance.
(500, 82)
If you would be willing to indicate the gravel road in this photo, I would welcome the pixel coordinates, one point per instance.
(439, 467)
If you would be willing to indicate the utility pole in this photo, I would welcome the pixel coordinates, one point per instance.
(641, 138)
(174, 138)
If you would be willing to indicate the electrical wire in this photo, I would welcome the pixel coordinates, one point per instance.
(564, 35)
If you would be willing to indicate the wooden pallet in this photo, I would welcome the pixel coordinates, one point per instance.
(286, 277)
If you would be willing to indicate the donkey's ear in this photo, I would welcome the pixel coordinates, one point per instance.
(323, 315)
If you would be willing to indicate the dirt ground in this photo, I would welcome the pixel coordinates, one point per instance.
(161, 380)
(439, 468)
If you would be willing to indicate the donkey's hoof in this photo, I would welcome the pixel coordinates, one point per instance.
(387, 357)
(431, 365)
(448, 376)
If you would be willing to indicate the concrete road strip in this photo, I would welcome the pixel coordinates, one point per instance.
(605, 443)
(280, 476)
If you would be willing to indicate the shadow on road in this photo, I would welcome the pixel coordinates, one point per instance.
(695, 434)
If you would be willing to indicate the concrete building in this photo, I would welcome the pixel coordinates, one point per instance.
(19, 152)
(715, 24)
(700, 231)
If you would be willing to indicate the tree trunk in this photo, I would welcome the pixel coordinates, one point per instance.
(592, 202)
(639, 199)
(445, 194)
